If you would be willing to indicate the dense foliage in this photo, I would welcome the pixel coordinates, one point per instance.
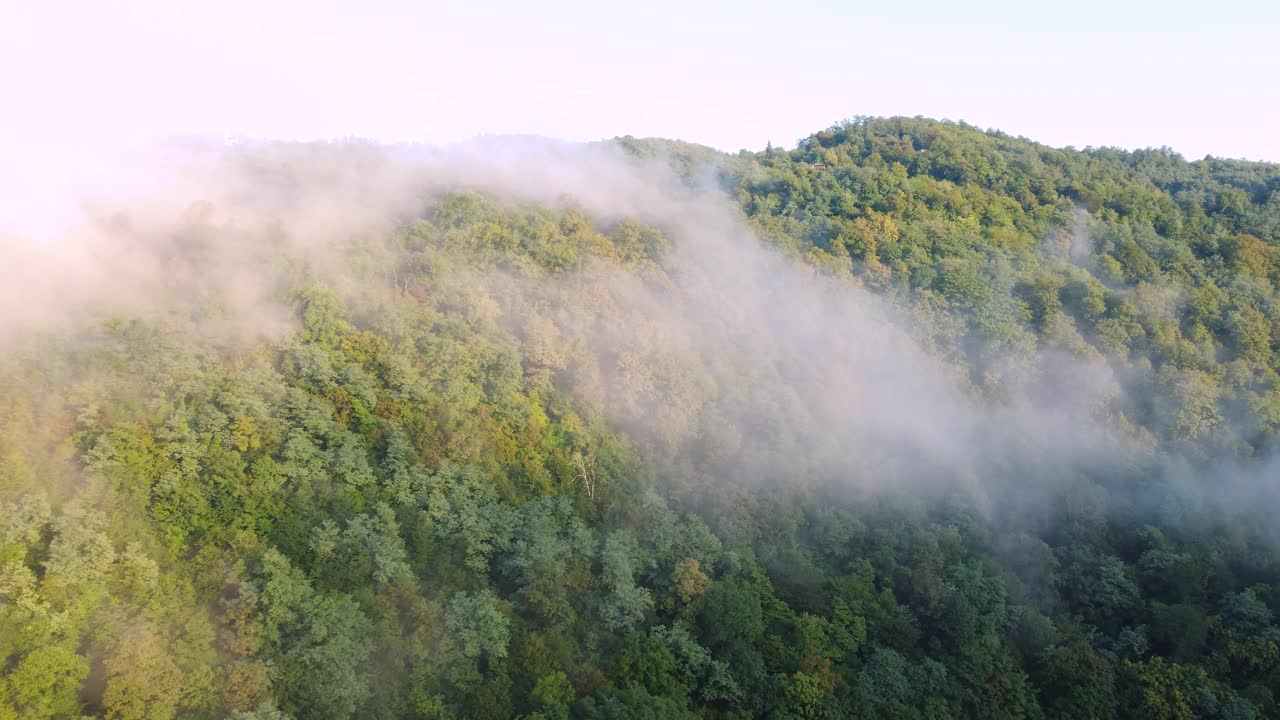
(419, 505)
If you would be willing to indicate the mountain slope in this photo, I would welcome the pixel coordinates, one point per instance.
(956, 425)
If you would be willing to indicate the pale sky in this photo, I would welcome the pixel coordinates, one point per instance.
(1201, 77)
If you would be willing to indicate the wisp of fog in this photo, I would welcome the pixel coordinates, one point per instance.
(730, 352)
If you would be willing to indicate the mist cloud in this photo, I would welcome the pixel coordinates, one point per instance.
(743, 363)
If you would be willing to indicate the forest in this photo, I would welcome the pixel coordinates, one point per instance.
(914, 420)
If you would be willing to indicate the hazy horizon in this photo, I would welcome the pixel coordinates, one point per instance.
(729, 77)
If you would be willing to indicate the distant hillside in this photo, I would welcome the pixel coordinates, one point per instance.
(1138, 257)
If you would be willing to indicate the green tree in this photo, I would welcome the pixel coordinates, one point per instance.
(553, 695)
(478, 624)
(142, 680)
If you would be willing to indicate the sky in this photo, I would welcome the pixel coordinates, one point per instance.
(78, 76)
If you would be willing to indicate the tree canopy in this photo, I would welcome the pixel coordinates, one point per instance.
(425, 499)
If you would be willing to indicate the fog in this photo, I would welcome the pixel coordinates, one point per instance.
(729, 360)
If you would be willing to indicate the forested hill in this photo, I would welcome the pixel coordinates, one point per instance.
(1140, 257)
(911, 421)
